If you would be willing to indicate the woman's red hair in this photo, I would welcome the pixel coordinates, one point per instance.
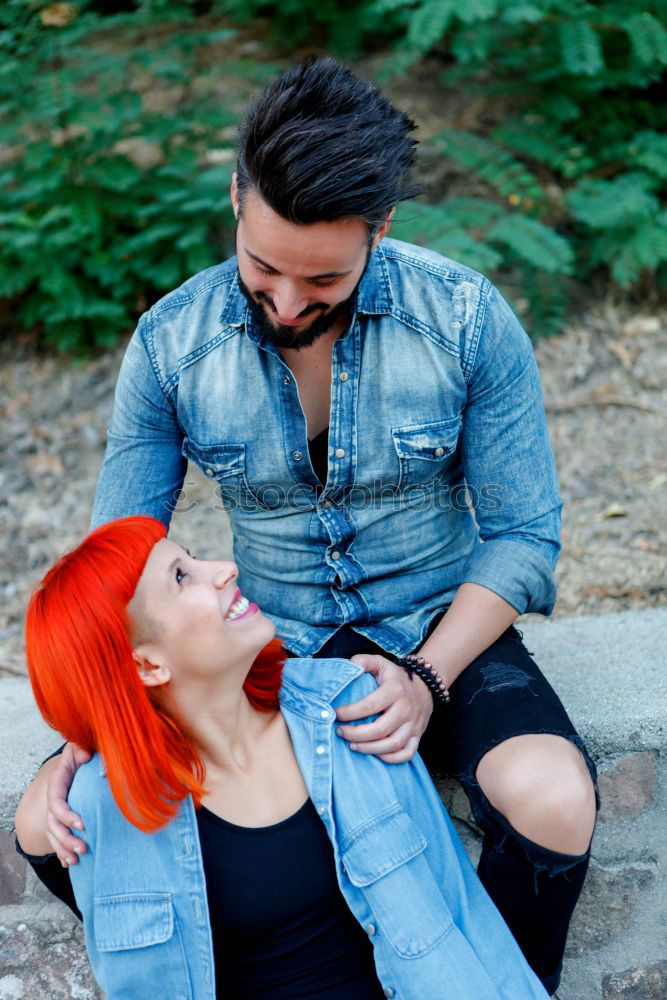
(86, 683)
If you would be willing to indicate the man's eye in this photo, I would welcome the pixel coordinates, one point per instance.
(325, 284)
(263, 270)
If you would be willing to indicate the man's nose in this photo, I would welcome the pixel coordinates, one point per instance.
(224, 572)
(289, 302)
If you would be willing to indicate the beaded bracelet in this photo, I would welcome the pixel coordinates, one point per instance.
(426, 671)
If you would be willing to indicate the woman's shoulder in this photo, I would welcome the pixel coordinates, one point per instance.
(89, 785)
(322, 680)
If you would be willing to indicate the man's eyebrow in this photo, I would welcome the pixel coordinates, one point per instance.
(312, 277)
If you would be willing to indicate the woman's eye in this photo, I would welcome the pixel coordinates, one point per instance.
(262, 270)
(180, 575)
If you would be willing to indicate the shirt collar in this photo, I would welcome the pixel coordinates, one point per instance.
(310, 683)
(373, 298)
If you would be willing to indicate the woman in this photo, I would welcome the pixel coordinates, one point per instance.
(236, 847)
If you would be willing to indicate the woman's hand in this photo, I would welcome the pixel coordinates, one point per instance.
(404, 705)
(59, 816)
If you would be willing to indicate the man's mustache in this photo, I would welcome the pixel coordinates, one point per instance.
(317, 306)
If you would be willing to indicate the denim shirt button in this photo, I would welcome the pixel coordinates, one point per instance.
(297, 456)
(439, 452)
(287, 380)
(335, 555)
(320, 750)
(340, 453)
(343, 376)
(388, 992)
(321, 810)
(370, 929)
(210, 473)
(326, 504)
(325, 714)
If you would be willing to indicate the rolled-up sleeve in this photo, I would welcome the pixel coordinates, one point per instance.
(143, 466)
(509, 466)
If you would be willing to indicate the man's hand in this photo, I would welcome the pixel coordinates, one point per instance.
(405, 706)
(59, 816)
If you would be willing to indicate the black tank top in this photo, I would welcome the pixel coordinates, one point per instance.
(318, 449)
(281, 926)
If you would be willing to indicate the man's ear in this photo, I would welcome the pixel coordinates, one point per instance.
(152, 671)
(234, 192)
(383, 230)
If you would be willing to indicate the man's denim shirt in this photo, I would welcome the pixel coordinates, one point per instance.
(433, 386)
(400, 865)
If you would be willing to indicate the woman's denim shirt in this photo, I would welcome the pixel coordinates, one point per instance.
(434, 386)
(401, 868)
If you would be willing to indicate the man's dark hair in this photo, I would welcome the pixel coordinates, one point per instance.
(321, 144)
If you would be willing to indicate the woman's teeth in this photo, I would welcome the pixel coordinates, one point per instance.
(237, 609)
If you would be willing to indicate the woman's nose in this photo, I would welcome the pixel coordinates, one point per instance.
(224, 573)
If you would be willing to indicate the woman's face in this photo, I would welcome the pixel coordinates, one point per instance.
(189, 616)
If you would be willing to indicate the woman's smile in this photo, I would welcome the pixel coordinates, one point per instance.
(240, 607)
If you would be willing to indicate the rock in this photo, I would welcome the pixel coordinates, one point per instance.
(47, 959)
(12, 870)
(142, 152)
(627, 788)
(646, 982)
(456, 802)
(607, 903)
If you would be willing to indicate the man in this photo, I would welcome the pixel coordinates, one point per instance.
(344, 390)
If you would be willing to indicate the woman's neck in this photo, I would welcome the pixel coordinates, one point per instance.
(224, 726)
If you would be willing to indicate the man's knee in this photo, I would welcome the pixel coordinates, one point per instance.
(541, 785)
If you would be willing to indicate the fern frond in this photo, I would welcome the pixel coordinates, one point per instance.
(536, 244)
(642, 250)
(580, 48)
(428, 24)
(492, 164)
(649, 149)
(477, 10)
(618, 203)
(648, 39)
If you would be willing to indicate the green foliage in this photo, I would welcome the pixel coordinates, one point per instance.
(116, 137)
(115, 164)
(580, 157)
(577, 168)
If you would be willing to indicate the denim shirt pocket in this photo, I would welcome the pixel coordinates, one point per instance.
(425, 451)
(133, 920)
(385, 860)
(225, 462)
(137, 938)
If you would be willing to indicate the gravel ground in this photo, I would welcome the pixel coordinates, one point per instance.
(605, 385)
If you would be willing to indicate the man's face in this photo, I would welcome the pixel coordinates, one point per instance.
(299, 280)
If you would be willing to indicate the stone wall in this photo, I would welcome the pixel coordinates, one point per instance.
(610, 673)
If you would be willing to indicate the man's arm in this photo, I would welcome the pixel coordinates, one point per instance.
(143, 465)
(43, 818)
(509, 468)
(510, 471)
(476, 618)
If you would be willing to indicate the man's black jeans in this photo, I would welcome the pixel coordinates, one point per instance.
(502, 694)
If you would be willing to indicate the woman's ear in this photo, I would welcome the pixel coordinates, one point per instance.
(152, 672)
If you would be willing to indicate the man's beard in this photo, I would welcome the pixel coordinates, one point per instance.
(290, 336)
